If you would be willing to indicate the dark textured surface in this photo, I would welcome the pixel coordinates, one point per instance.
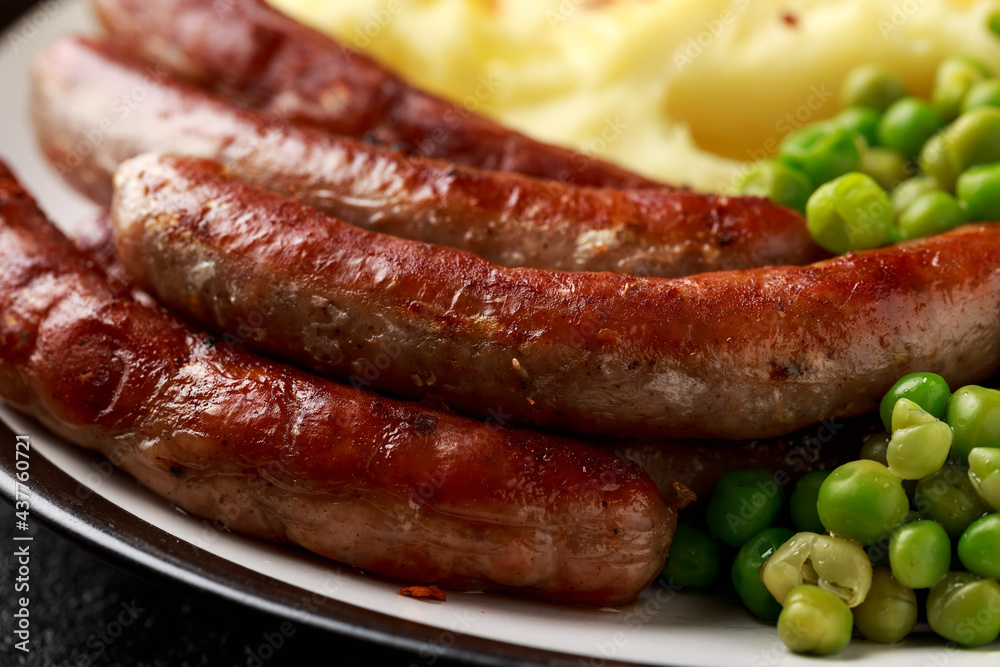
(86, 612)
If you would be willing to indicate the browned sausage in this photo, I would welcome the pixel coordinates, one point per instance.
(699, 464)
(396, 489)
(695, 464)
(730, 354)
(266, 61)
(93, 110)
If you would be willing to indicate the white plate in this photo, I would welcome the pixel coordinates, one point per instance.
(661, 628)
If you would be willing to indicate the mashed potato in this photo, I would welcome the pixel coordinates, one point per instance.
(680, 90)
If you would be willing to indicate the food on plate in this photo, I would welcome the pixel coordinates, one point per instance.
(684, 91)
(889, 612)
(962, 608)
(699, 464)
(267, 61)
(814, 620)
(892, 166)
(507, 218)
(886, 538)
(729, 354)
(397, 489)
(424, 592)
(696, 464)
(420, 494)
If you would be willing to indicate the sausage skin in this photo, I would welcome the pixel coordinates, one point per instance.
(264, 60)
(698, 465)
(396, 489)
(510, 219)
(695, 464)
(731, 354)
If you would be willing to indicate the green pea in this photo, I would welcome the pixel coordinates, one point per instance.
(802, 503)
(965, 608)
(955, 77)
(821, 151)
(862, 500)
(907, 414)
(928, 390)
(862, 121)
(932, 213)
(919, 554)
(969, 136)
(948, 497)
(875, 448)
(832, 563)
(973, 413)
(746, 571)
(971, 140)
(889, 612)
(938, 162)
(993, 22)
(907, 125)
(918, 451)
(849, 213)
(984, 473)
(778, 182)
(919, 444)
(983, 94)
(885, 165)
(909, 190)
(743, 503)
(693, 560)
(979, 546)
(872, 86)
(815, 621)
(979, 189)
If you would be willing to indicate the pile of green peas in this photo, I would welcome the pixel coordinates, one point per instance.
(891, 166)
(917, 512)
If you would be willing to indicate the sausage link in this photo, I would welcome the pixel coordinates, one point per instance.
(695, 464)
(93, 110)
(698, 465)
(731, 354)
(396, 489)
(266, 61)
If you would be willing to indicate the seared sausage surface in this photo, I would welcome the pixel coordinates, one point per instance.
(396, 489)
(731, 354)
(259, 57)
(695, 464)
(93, 110)
(698, 465)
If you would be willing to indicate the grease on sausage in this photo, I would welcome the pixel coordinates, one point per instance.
(731, 354)
(393, 488)
(510, 219)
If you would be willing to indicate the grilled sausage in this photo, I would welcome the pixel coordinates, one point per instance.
(396, 489)
(695, 464)
(94, 110)
(731, 354)
(698, 465)
(266, 61)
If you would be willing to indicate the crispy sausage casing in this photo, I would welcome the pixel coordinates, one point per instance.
(264, 60)
(398, 490)
(737, 354)
(695, 464)
(93, 110)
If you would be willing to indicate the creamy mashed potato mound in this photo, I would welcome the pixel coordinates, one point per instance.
(681, 90)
